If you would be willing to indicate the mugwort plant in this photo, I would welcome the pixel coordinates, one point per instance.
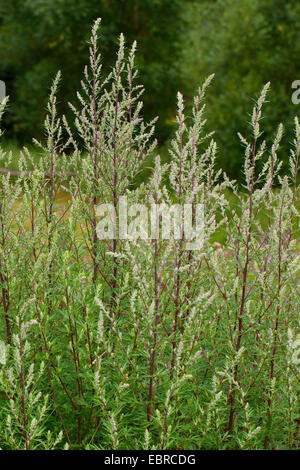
(164, 338)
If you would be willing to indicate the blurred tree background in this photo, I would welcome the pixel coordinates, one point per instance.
(38, 37)
(245, 42)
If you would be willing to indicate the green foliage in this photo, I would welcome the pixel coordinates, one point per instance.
(145, 343)
(245, 44)
(39, 37)
(179, 42)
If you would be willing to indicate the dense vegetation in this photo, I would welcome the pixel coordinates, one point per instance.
(145, 344)
(245, 43)
(39, 37)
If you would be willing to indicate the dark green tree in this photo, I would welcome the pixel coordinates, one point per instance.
(38, 37)
(246, 44)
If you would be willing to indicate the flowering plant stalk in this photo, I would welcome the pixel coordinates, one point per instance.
(152, 340)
